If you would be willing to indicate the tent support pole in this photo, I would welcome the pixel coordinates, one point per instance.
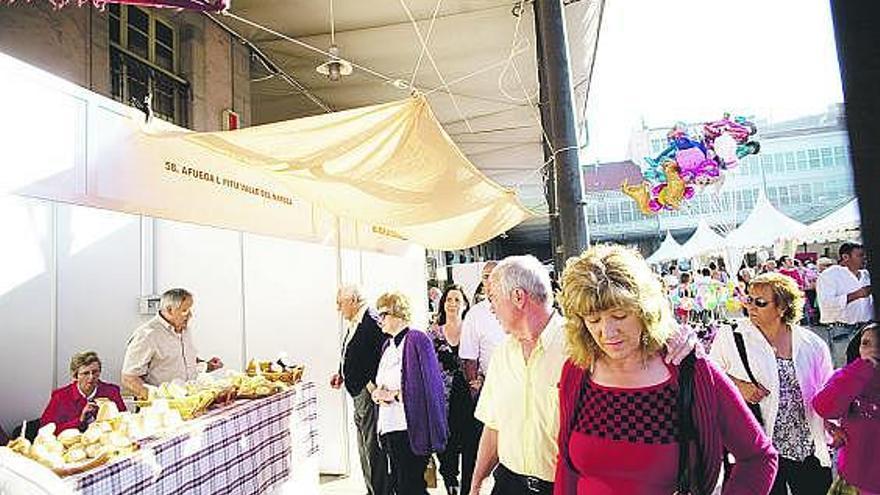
(550, 28)
(548, 174)
(858, 53)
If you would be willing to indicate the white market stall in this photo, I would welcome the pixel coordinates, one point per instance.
(703, 241)
(841, 224)
(764, 226)
(669, 250)
(106, 212)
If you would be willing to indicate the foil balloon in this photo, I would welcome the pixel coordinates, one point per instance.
(739, 128)
(673, 193)
(749, 148)
(725, 149)
(640, 194)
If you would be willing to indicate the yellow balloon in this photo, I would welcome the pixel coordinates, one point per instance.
(673, 194)
(640, 194)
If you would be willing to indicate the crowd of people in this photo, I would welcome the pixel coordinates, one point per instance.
(709, 293)
(610, 394)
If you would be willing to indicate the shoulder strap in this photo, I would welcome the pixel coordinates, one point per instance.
(688, 480)
(741, 349)
(743, 356)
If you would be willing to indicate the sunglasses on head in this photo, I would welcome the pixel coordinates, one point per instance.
(757, 301)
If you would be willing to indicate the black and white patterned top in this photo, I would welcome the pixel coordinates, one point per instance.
(642, 415)
(791, 433)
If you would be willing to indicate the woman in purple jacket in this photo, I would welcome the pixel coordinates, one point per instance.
(409, 391)
(853, 396)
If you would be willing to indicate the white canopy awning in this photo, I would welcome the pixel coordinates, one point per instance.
(764, 226)
(703, 241)
(391, 165)
(669, 250)
(843, 223)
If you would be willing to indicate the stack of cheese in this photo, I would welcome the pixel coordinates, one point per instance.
(189, 399)
(109, 436)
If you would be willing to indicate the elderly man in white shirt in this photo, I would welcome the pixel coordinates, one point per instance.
(480, 335)
(844, 293)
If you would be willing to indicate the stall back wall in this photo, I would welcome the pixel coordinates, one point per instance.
(71, 274)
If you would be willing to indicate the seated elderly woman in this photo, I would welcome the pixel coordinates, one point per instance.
(409, 392)
(623, 417)
(75, 405)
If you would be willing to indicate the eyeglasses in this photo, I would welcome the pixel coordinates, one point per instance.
(84, 373)
(383, 314)
(757, 301)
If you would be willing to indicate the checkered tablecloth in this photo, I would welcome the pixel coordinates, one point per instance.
(246, 448)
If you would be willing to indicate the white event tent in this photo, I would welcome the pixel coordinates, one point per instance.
(841, 224)
(703, 241)
(669, 250)
(763, 227)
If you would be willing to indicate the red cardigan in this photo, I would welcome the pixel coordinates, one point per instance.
(66, 405)
(853, 394)
(722, 420)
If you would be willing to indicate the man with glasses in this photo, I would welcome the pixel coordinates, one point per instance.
(162, 350)
(358, 361)
(844, 293)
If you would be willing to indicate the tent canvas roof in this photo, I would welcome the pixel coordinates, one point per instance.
(842, 223)
(669, 249)
(764, 226)
(703, 241)
(390, 165)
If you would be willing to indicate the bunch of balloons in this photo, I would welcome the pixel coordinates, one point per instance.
(707, 295)
(689, 162)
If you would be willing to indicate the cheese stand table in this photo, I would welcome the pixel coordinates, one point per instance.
(250, 447)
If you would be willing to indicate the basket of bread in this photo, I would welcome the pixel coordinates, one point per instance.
(71, 451)
(257, 386)
(276, 372)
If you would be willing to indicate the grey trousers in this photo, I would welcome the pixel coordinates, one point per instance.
(373, 460)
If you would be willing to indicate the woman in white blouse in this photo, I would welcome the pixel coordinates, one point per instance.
(409, 391)
(780, 367)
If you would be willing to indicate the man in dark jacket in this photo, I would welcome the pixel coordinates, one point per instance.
(359, 360)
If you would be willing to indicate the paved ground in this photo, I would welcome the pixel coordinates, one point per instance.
(354, 485)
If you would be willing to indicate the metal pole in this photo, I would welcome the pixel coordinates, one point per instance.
(550, 25)
(549, 174)
(858, 54)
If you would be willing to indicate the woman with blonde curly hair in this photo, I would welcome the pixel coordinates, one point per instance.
(779, 367)
(630, 422)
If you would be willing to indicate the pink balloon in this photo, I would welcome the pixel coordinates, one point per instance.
(689, 160)
(689, 192)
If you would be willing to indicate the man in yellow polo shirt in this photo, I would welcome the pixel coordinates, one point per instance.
(519, 404)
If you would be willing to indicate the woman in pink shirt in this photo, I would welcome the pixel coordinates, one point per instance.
(853, 396)
(622, 422)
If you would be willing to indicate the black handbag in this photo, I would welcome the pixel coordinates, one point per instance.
(688, 481)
